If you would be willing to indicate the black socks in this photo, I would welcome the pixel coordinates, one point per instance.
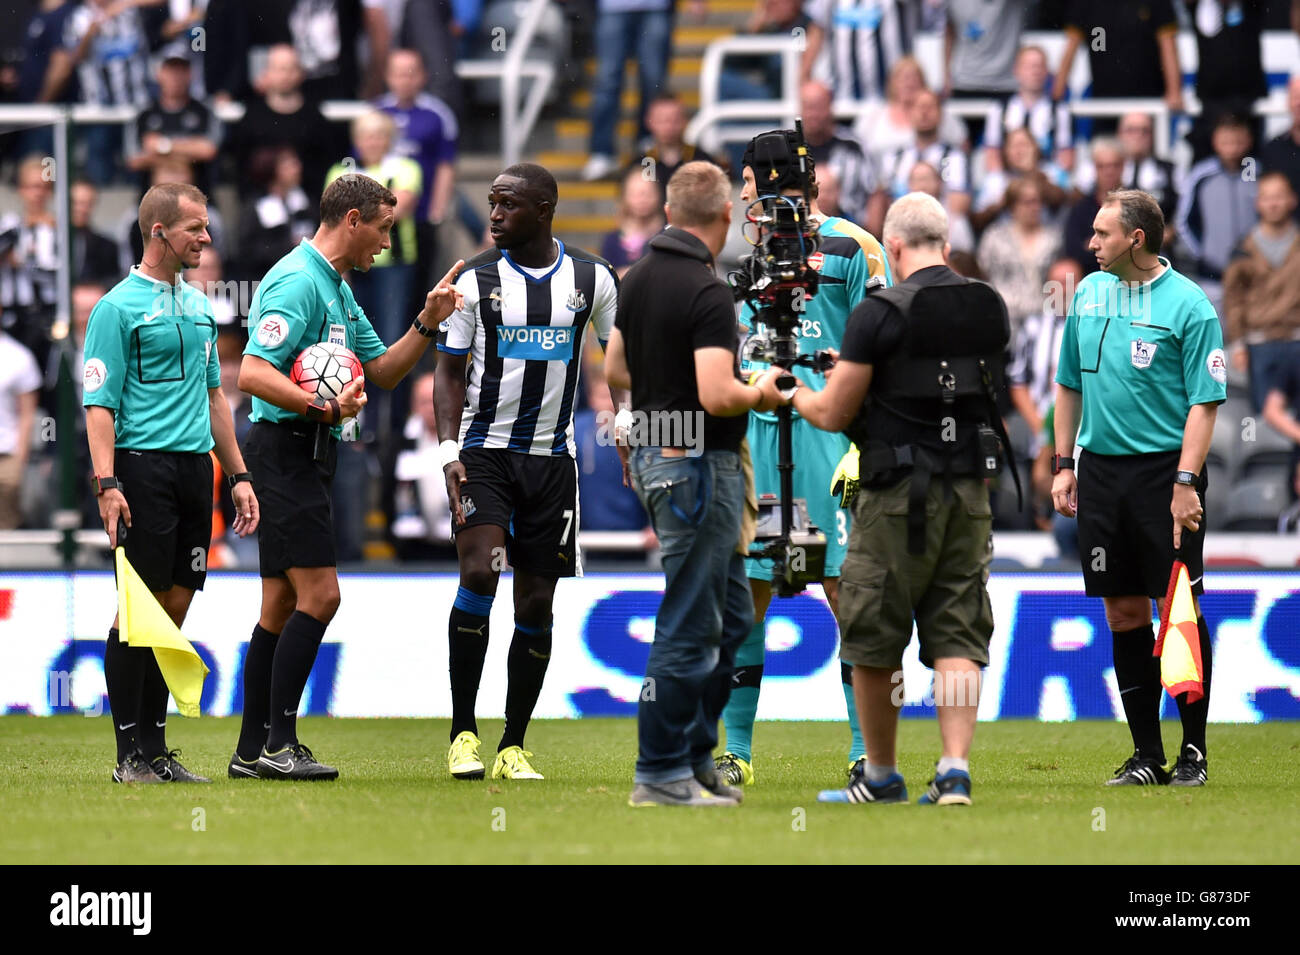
(257, 694)
(124, 671)
(1138, 674)
(295, 652)
(467, 640)
(530, 654)
(1193, 715)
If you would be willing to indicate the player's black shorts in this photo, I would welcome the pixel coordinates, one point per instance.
(1126, 533)
(293, 491)
(170, 497)
(534, 498)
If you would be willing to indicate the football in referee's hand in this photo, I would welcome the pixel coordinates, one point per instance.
(325, 369)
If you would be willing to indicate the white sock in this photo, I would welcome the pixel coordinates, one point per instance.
(878, 774)
(952, 762)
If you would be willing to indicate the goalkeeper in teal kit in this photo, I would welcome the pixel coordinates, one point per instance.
(850, 263)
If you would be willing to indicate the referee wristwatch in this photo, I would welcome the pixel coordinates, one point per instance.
(107, 482)
(242, 476)
(423, 329)
(1187, 478)
(1061, 463)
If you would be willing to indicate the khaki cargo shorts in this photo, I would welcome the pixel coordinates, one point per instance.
(883, 588)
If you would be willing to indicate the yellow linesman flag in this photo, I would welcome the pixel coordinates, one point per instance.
(1179, 644)
(142, 622)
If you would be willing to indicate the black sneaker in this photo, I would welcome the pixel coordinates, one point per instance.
(295, 761)
(169, 769)
(242, 768)
(1140, 771)
(134, 769)
(1190, 769)
(712, 780)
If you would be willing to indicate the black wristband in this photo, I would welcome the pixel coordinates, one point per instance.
(327, 411)
(233, 479)
(424, 329)
(100, 484)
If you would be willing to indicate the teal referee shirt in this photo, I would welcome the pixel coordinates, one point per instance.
(1141, 356)
(301, 301)
(150, 357)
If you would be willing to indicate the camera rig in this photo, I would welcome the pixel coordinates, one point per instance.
(776, 280)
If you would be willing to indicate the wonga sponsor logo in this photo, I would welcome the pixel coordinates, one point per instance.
(535, 342)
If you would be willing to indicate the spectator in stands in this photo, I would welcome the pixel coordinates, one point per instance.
(927, 117)
(835, 147)
(42, 36)
(1030, 108)
(641, 218)
(440, 31)
(607, 505)
(828, 191)
(863, 40)
(104, 43)
(980, 41)
(20, 382)
(325, 34)
(1282, 154)
(1020, 158)
(1261, 290)
(1142, 170)
(283, 116)
(174, 128)
(887, 128)
(1108, 171)
(1281, 408)
(279, 217)
(1134, 55)
(426, 131)
(180, 34)
(225, 59)
(1289, 522)
(95, 257)
(758, 76)
(421, 517)
(386, 292)
(668, 151)
(1229, 73)
(925, 178)
(1031, 373)
(29, 260)
(623, 26)
(1016, 253)
(1217, 207)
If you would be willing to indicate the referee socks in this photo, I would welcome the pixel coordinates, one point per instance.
(124, 677)
(295, 653)
(257, 693)
(1193, 715)
(1138, 674)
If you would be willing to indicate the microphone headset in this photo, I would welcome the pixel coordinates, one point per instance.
(159, 234)
(1140, 268)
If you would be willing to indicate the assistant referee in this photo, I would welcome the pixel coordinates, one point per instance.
(1141, 375)
(154, 409)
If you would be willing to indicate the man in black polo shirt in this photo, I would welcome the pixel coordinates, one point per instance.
(174, 129)
(674, 344)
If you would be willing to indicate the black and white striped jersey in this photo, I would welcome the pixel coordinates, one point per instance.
(523, 330)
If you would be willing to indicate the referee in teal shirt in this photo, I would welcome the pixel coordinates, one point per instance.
(1141, 375)
(303, 300)
(154, 410)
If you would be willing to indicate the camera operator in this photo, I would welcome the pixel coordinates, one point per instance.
(674, 344)
(849, 263)
(914, 388)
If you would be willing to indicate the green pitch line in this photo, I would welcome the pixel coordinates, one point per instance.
(1038, 793)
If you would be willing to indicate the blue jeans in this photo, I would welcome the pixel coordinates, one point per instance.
(618, 35)
(695, 505)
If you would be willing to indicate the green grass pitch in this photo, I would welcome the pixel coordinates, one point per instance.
(1038, 793)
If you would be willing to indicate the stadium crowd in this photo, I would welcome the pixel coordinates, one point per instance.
(1021, 186)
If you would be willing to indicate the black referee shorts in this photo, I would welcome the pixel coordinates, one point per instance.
(293, 491)
(534, 498)
(170, 497)
(1126, 533)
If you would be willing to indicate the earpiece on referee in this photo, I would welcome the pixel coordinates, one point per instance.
(158, 233)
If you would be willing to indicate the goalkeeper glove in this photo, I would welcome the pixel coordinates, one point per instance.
(844, 482)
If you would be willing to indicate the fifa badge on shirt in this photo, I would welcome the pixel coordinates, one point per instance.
(1142, 353)
(338, 335)
(577, 301)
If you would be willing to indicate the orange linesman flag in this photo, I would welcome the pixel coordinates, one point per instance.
(1179, 644)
